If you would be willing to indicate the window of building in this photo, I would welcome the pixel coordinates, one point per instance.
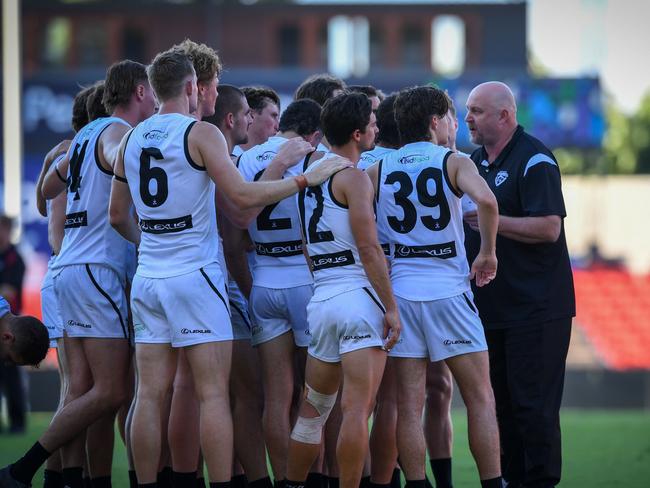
(92, 45)
(348, 46)
(133, 45)
(448, 45)
(289, 41)
(412, 46)
(56, 42)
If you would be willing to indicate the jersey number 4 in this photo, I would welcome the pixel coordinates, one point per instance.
(77, 159)
(426, 198)
(149, 174)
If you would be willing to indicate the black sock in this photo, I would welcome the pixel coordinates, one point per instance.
(200, 482)
(441, 469)
(378, 485)
(427, 482)
(280, 483)
(365, 482)
(148, 485)
(261, 483)
(295, 484)
(184, 480)
(133, 479)
(332, 482)
(314, 480)
(25, 468)
(218, 484)
(164, 478)
(73, 477)
(87, 482)
(396, 480)
(416, 484)
(492, 483)
(101, 482)
(239, 481)
(52, 479)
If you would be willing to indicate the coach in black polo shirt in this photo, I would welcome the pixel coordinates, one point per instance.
(527, 309)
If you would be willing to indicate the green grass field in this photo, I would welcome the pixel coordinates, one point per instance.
(601, 449)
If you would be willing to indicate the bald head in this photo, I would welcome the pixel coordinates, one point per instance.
(491, 113)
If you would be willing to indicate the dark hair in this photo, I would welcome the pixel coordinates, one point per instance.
(121, 80)
(414, 108)
(94, 105)
(367, 90)
(167, 73)
(452, 107)
(6, 221)
(31, 339)
(343, 115)
(319, 88)
(388, 135)
(301, 117)
(229, 101)
(205, 60)
(79, 110)
(258, 97)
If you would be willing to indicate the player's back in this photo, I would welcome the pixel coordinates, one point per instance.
(330, 243)
(420, 212)
(276, 230)
(173, 196)
(368, 158)
(89, 237)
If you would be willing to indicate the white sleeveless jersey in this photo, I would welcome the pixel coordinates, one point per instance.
(279, 261)
(89, 237)
(330, 242)
(174, 199)
(420, 213)
(369, 158)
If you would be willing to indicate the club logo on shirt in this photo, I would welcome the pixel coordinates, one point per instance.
(412, 159)
(441, 251)
(279, 249)
(266, 156)
(79, 219)
(500, 178)
(166, 226)
(155, 135)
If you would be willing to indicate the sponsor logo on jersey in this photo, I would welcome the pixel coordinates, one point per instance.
(446, 250)
(78, 219)
(450, 342)
(166, 226)
(386, 249)
(74, 323)
(266, 156)
(356, 337)
(324, 261)
(500, 177)
(196, 331)
(156, 135)
(279, 249)
(412, 159)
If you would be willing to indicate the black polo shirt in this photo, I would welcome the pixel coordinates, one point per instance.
(534, 283)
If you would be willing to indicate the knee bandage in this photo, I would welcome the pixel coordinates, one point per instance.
(309, 430)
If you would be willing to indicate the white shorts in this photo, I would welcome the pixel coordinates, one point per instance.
(181, 310)
(277, 311)
(92, 302)
(50, 309)
(439, 329)
(344, 323)
(241, 322)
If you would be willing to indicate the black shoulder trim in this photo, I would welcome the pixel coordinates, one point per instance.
(58, 173)
(186, 148)
(379, 166)
(120, 178)
(305, 163)
(331, 191)
(444, 172)
(238, 159)
(99, 165)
